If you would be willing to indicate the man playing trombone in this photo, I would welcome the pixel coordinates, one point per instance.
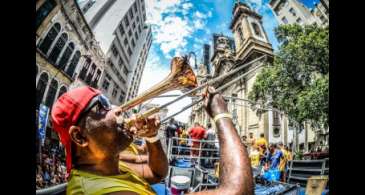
(88, 127)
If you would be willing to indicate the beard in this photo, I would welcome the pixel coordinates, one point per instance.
(110, 137)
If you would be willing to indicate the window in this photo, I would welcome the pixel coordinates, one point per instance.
(292, 11)
(106, 85)
(126, 41)
(85, 68)
(41, 88)
(58, 48)
(107, 76)
(130, 32)
(285, 21)
(126, 21)
(135, 6)
(276, 132)
(133, 44)
(139, 29)
(240, 34)
(114, 93)
(74, 61)
(256, 29)
(51, 93)
(62, 91)
(91, 74)
(66, 56)
(131, 13)
(144, 15)
(121, 97)
(120, 62)
(134, 25)
(114, 50)
(123, 81)
(121, 29)
(137, 19)
(299, 20)
(43, 12)
(136, 35)
(129, 51)
(125, 70)
(323, 19)
(50, 37)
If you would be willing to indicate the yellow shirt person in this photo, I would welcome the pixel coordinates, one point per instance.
(87, 183)
(284, 159)
(261, 142)
(255, 157)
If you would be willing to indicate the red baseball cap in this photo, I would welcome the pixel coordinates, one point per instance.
(65, 113)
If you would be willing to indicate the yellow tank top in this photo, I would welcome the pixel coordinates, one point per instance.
(283, 160)
(255, 158)
(82, 182)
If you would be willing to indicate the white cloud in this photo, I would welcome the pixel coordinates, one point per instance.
(172, 33)
(187, 6)
(198, 24)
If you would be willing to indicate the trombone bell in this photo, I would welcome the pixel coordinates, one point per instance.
(181, 77)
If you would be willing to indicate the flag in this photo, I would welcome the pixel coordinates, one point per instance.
(42, 122)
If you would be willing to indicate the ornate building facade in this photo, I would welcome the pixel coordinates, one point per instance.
(250, 42)
(67, 54)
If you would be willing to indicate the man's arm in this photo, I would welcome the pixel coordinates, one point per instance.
(235, 171)
(156, 167)
(153, 167)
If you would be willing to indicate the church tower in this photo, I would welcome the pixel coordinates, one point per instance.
(249, 35)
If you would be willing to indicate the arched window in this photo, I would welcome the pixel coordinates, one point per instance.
(62, 91)
(240, 34)
(256, 29)
(51, 93)
(41, 87)
(50, 37)
(66, 56)
(97, 77)
(85, 68)
(43, 12)
(57, 48)
(91, 74)
(74, 61)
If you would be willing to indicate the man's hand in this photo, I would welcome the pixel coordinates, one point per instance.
(214, 102)
(145, 127)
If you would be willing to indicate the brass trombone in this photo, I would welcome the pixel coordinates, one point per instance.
(181, 77)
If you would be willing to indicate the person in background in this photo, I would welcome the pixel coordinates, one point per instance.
(277, 154)
(255, 156)
(171, 131)
(196, 133)
(283, 162)
(39, 180)
(183, 141)
(210, 136)
(261, 142)
(250, 141)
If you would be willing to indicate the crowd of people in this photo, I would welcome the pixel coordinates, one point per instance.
(266, 156)
(263, 156)
(192, 137)
(51, 169)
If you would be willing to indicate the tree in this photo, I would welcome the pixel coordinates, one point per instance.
(297, 81)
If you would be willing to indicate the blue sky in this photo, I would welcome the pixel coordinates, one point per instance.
(181, 26)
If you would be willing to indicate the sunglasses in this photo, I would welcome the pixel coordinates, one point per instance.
(100, 100)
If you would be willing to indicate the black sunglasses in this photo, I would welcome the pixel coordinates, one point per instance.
(99, 99)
